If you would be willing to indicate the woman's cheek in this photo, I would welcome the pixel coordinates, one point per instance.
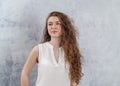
(49, 32)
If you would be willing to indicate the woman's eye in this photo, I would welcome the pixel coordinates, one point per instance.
(49, 24)
(58, 23)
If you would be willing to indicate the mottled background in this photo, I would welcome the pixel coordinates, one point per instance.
(98, 24)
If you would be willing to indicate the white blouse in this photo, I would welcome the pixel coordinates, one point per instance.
(51, 72)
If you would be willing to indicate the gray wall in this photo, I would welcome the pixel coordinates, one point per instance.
(97, 21)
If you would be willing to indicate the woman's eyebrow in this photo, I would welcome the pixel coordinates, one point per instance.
(49, 22)
(58, 21)
(55, 21)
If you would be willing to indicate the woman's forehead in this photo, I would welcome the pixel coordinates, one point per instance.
(53, 19)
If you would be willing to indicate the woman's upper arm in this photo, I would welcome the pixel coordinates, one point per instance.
(31, 61)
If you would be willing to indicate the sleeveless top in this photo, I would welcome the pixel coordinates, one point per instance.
(51, 72)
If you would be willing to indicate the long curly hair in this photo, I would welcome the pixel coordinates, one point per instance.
(69, 44)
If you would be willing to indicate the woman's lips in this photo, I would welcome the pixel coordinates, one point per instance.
(54, 31)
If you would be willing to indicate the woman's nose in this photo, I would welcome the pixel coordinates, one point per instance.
(54, 26)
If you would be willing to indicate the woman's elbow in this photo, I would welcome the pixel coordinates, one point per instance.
(24, 74)
(24, 78)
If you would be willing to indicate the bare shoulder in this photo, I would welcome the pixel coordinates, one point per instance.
(35, 50)
(35, 53)
(31, 60)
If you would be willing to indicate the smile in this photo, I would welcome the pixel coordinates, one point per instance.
(54, 31)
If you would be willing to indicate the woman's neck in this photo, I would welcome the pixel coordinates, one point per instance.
(55, 42)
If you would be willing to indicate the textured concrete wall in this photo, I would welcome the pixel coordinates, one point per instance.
(22, 23)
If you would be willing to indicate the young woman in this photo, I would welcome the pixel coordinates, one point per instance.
(58, 56)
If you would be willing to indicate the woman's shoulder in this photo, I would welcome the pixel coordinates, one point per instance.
(41, 44)
(36, 49)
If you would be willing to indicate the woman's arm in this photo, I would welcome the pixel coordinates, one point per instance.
(31, 61)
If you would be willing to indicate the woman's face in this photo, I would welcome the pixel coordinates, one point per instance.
(54, 26)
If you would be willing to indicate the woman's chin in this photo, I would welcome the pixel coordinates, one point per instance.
(55, 36)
